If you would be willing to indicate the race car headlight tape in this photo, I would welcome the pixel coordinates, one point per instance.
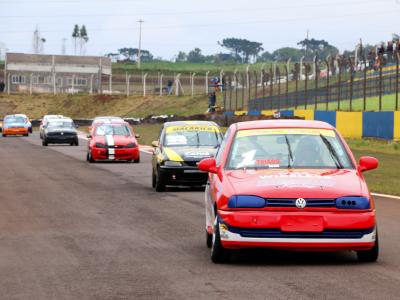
(353, 203)
(246, 201)
(171, 163)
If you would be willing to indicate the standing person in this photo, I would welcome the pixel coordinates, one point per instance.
(2, 86)
(212, 100)
(169, 86)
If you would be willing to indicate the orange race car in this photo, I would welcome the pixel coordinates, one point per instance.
(15, 125)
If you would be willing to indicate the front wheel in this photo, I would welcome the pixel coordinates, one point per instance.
(153, 179)
(369, 255)
(218, 253)
(209, 238)
(160, 181)
(89, 157)
(136, 161)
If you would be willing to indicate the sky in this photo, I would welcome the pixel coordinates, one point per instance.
(171, 26)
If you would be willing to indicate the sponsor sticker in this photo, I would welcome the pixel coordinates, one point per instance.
(172, 129)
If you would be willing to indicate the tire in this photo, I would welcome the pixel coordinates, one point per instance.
(26, 134)
(89, 157)
(371, 255)
(44, 142)
(136, 161)
(160, 182)
(209, 238)
(219, 254)
(76, 142)
(4, 135)
(153, 179)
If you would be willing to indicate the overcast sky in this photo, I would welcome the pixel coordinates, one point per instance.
(173, 25)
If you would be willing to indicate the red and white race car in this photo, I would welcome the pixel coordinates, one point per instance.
(113, 141)
(288, 184)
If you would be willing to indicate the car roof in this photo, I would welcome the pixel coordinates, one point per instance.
(15, 115)
(107, 117)
(53, 116)
(61, 119)
(113, 122)
(261, 124)
(188, 123)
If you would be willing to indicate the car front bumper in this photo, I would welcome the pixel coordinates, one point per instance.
(186, 175)
(115, 154)
(316, 231)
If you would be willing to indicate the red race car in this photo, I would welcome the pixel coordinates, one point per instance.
(288, 184)
(113, 141)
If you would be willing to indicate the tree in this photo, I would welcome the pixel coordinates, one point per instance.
(265, 56)
(131, 54)
(321, 48)
(75, 36)
(283, 54)
(195, 56)
(181, 57)
(242, 49)
(84, 38)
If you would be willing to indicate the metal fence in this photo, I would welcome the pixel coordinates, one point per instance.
(333, 84)
(130, 83)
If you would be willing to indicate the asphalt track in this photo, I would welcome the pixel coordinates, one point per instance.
(73, 230)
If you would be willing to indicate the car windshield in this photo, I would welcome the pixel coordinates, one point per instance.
(60, 124)
(14, 120)
(112, 129)
(192, 136)
(288, 148)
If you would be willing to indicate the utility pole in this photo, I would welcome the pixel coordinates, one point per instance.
(140, 43)
(63, 46)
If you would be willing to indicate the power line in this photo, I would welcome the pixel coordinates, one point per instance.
(319, 17)
(241, 10)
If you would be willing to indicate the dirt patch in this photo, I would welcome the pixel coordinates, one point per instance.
(6, 108)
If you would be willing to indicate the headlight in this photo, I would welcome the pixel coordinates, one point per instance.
(246, 201)
(353, 203)
(130, 145)
(170, 163)
(100, 145)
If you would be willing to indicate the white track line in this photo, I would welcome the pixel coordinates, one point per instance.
(386, 196)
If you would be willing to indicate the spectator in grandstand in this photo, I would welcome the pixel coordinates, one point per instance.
(389, 51)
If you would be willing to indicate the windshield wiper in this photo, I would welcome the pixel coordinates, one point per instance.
(332, 152)
(290, 155)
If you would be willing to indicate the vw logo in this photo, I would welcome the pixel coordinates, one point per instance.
(62, 133)
(301, 203)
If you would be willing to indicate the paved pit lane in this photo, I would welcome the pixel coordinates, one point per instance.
(74, 230)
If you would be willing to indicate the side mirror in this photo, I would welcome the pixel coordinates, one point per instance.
(155, 144)
(208, 165)
(368, 163)
(137, 136)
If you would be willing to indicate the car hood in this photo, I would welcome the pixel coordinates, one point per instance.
(195, 153)
(116, 140)
(274, 183)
